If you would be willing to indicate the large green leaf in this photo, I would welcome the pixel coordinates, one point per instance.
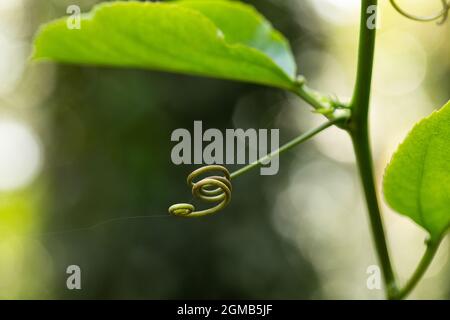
(223, 39)
(417, 180)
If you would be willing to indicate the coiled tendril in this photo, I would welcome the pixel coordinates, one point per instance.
(443, 14)
(210, 189)
(218, 188)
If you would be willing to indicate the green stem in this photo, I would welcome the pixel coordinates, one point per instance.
(364, 160)
(330, 108)
(430, 252)
(288, 146)
(359, 131)
(312, 97)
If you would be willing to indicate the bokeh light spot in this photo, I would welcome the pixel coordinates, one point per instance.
(20, 155)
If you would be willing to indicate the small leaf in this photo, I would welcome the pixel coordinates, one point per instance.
(222, 39)
(417, 181)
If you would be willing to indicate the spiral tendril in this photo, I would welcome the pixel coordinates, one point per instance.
(442, 15)
(217, 189)
(210, 189)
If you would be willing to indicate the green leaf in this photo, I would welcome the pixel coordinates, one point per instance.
(241, 23)
(417, 180)
(223, 39)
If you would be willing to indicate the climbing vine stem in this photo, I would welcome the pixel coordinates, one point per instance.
(358, 127)
(359, 131)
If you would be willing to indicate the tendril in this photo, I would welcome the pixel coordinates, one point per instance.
(442, 15)
(210, 189)
(215, 188)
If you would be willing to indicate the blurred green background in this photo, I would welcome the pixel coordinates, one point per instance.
(81, 146)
